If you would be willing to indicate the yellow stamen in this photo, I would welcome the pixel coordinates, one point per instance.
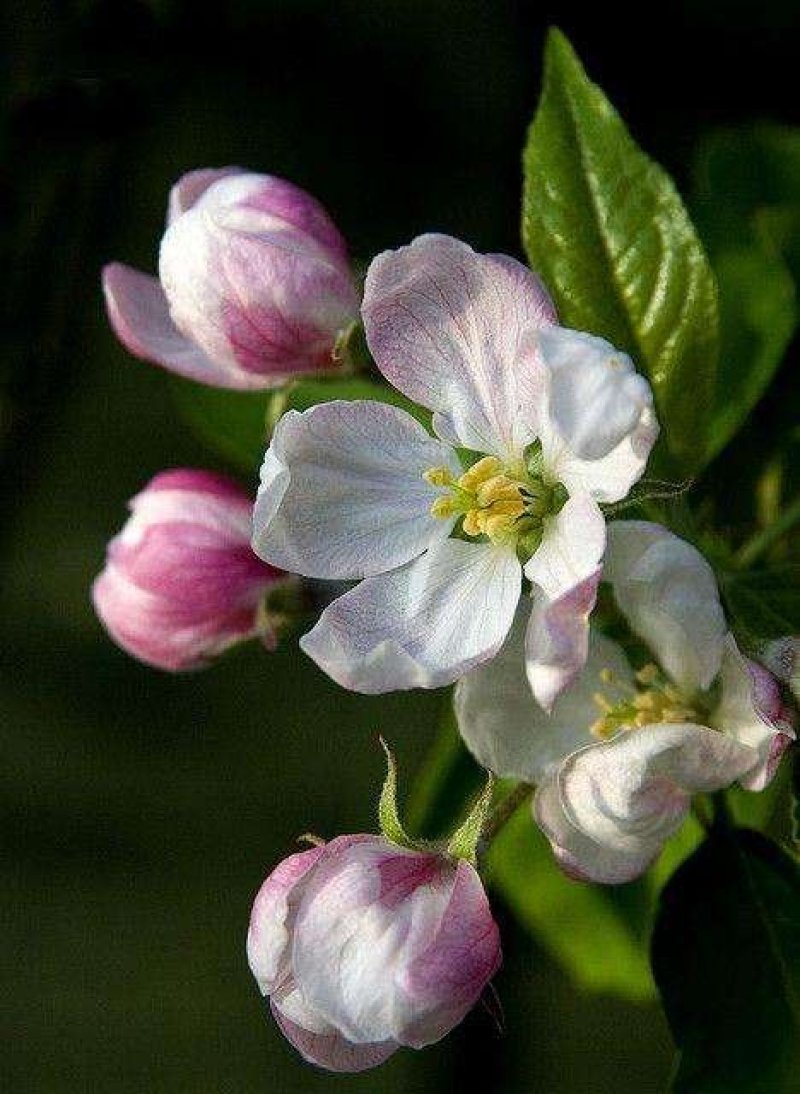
(438, 476)
(484, 469)
(444, 506)
(472, 523)
(648, 674)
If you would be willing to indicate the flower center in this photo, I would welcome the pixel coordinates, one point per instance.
(507, 505)
(654, 700)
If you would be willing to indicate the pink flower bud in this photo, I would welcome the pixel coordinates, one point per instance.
(254, 284)
(181, 583)
(363, 946)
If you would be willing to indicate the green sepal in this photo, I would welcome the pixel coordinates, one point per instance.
(463, 843)
(388, 814)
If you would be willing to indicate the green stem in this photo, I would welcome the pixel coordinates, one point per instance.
(505, 810)
(755, 547)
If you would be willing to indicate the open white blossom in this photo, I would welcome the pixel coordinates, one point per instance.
(621, 753)
(554, 421)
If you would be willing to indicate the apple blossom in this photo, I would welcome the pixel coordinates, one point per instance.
(181, 583)
(254, 284)
(556, 421)
(363, 947)
(621, 753)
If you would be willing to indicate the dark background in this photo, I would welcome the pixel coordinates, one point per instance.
(139, 811)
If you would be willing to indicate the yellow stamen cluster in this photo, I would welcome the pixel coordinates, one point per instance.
(491, 500)
(655, 700)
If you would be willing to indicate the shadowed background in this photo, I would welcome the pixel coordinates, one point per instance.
(140, 811)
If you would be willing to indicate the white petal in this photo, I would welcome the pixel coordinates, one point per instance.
(597, 398)
(452, 330)
(609, 808)
(751, 711)
(505, 728)
(139, 313)
(571, 549)
(668, 593)
(609, 478)
(565, 571)
(421, 626)
(190, 187)
(272, 919)
(342, 494)
(318, 1041)
(351, 948)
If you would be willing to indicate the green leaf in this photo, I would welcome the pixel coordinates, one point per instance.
(750, 175)
(606, 229)
(231, 423)
(595, 932)
(302, 394)
(726, 957)
(758, 318)
(763, 603)
(739, 178)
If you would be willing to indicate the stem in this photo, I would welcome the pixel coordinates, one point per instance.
(702, 814)
(505, 810)
(762, 541)
(723, 818)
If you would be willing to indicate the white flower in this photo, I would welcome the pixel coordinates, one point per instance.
(622, 752)
(555, 421)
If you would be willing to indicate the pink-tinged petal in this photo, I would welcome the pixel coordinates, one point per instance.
(447, 977)
(452, 329)
(139, 313)
(342, 494)
(261, 286)
(421, 626)
(272, 920)
(255, 203)
(203, 498)
(181, 583)
(557, 641)
(393, 945)
(609, 808)
(752, 711)
(668, 594)
(597, 400)
(504, 727)
(149, 629)
(565, 571)
(190, 187)
(328, 1048)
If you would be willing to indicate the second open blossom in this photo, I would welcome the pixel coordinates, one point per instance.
(623, 751)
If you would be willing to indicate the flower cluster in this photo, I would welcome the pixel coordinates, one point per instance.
(473, 514)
